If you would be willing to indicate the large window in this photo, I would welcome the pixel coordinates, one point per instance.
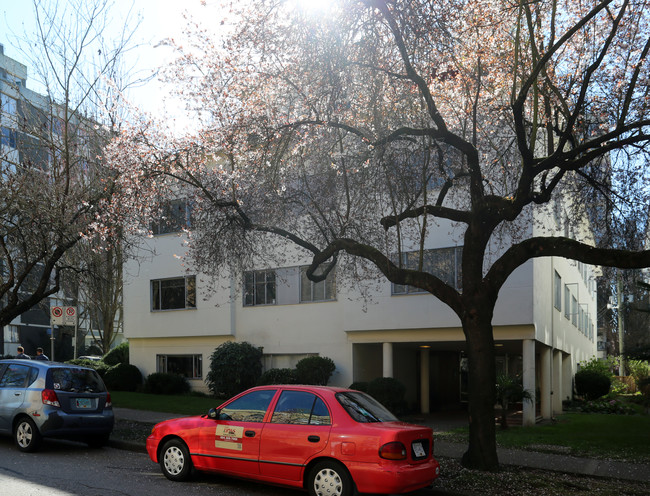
(173, 294)
(444, 263)
(259, 288)
(317, 291)
(190, 366)
(175, 216)
(574, 311)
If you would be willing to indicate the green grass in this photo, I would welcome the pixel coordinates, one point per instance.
(611, 436)
(182, 404)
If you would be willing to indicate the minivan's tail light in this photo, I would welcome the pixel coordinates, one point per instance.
(109, 403)
(50, 398)
(393, 451)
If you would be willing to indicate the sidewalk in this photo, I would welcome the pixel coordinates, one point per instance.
(441, 423)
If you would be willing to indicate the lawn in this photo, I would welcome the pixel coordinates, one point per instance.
(612, 436)
(182, 404)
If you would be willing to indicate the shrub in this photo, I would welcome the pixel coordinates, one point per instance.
(608, 406)
(359, 386)
(123, 377)
(100, 366)
(278, 376)
(234, 367)
(164, 383)
(592, 384)
(389, 392)
(639, 370)
(119, 354)
(315, 370)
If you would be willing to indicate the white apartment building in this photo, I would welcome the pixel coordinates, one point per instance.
(544, 321)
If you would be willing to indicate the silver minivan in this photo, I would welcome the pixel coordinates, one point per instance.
(49, 399)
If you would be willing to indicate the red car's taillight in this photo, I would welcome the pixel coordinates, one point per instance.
(393, 451)
(50, 398)
(109, 403)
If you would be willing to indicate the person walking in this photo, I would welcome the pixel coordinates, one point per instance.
(40, 355)
(21, 353)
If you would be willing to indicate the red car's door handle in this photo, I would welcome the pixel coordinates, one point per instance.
(313, 439)
(249, 433)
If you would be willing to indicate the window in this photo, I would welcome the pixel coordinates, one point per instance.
(302, 408)
(444, 263)
(190, 366)
(7, 105)
(248, 408)
(558, 291)
(574, 311)
(317, 291)
(567, 302)
(173, 294)
(175, 216)
(8, 137)
(18, 376)
(259, 288)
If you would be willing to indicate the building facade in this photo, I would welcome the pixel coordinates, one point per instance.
(544, 322)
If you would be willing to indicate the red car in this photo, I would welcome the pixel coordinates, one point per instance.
(329, 441)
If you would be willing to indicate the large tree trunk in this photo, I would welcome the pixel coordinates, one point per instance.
(482, 452)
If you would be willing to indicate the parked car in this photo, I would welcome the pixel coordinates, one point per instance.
(329, 441)
(48, 399)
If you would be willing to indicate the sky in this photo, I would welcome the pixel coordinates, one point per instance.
(160, 19)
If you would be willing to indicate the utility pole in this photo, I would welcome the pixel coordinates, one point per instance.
(621, 359)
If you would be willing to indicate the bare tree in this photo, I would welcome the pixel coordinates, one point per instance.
(346, 136)
(54, 179)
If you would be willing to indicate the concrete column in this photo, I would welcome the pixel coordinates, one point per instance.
(528, 362)
(545, 391)
(387, 360)
(567, 378)
(558, 383)
(424, 380)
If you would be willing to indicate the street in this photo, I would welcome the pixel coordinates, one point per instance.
(63, 468)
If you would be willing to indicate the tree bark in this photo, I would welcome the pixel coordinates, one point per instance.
(482, 452)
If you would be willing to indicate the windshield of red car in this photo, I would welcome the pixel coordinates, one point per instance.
(364, 408)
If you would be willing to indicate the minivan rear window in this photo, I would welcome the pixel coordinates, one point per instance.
(75, 380)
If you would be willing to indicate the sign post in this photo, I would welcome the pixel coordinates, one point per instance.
(59, 316)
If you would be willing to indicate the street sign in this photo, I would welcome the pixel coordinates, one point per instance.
(63, 316)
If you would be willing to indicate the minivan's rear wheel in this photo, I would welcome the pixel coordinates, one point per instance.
(175, 460)
(329, 478)
(26, 435)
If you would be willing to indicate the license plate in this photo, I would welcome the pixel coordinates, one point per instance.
(83, 403)
(418, 449)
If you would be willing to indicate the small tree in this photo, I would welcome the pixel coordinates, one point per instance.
(509, 390)
(234, 367)
(315, 370)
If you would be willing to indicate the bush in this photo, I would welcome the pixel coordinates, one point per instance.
(639, 370)
(119, 354)
(123, 377)
(234, 367)
(359, 386)
(164, 383)
(278, 376)
(100, 366)
(389, 392)
(315, 370)
(592, 384)
(608, 406)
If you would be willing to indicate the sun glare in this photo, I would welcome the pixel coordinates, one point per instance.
(313, 7)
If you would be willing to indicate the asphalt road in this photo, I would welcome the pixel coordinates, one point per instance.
(63, 468)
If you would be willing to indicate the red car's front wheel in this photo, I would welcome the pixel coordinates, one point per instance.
(175, 460)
